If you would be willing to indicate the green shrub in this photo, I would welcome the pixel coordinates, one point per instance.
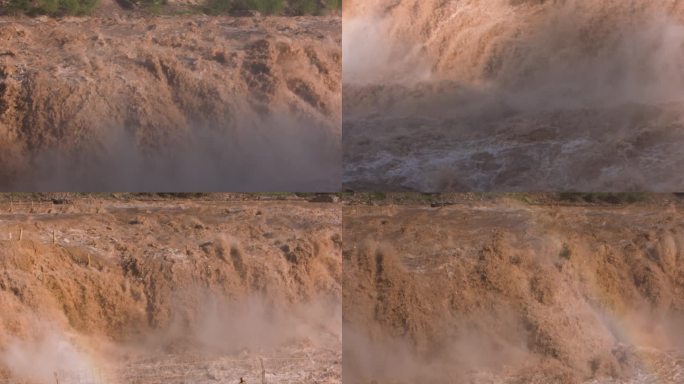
(312, 7)
(603, 197)
(333, 4)
(266, 7)
(378, 196)
(52, 7)
(269, 7)
(303, 7)
(153, 4)
(273, 7)
(565, 252)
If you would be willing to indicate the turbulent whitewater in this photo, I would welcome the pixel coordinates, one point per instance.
(506, 292)
(513, 95)
(109, 291)
(131, 102)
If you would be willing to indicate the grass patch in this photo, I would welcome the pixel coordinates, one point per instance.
(390, 198)
(443, 199)
(154, 6)
(303, 7)
(274, 7)
(565, 252)
(266, 7)
(603, 197)
(51, 7)
(84, 7)
(312, 7)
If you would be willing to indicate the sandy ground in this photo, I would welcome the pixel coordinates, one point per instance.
(170, 103)
(171, 291)
(499, 95)
(501, 291)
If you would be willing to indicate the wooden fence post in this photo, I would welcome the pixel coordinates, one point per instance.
(263, 371)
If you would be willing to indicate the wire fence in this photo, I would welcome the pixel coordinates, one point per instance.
(89, 376)
(18, 233)
(51, 200)
(255, 370)
(25, 206)
(94, 204)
